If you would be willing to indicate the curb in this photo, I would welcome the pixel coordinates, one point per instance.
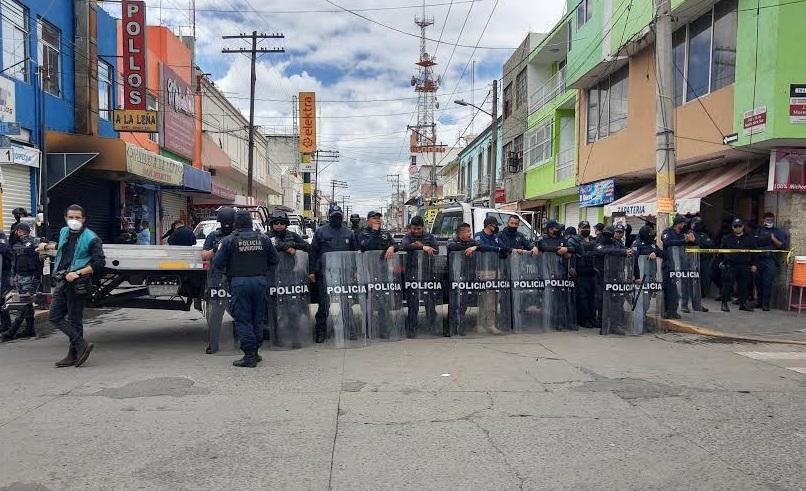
(685, 327)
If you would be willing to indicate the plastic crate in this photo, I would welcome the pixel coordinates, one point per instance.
(799, 271)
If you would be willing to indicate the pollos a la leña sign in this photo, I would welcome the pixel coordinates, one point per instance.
(134, 54)
(135, 121)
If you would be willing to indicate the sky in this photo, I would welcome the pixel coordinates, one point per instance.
(360, 70)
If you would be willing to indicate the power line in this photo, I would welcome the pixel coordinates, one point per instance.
(311, 11)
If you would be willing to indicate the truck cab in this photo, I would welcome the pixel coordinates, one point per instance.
(448, 218)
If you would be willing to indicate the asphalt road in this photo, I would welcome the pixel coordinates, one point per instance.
(541, 411)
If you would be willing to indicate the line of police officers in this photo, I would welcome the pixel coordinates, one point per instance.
(247, 256)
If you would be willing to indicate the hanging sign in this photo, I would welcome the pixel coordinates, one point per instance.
(134, 54)
(135, 121)
(797, 103)
(307, 122)
(755, 120)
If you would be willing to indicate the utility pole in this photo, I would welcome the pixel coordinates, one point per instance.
(344, 199)
(335, 183)
(397, 201)
(330, 156)
(494, 138)
(665, 164)
(253, 52)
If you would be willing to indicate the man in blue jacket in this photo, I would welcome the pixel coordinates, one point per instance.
(247, 257)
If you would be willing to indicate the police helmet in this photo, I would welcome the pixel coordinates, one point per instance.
(279, 216)
(355, 217)
(647, 234)
(570, 231)
(552, 224)
(609, 231)
(226, 216)
(24, 227)
(619, 227)
(679, 219)
(584, 224)
(600, 226)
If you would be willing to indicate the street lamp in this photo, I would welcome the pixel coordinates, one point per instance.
(467, 104)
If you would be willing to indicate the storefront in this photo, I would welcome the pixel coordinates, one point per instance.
(16, 176)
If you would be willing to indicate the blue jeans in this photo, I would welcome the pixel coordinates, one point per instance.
(248, 309)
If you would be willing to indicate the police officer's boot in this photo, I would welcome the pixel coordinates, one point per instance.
(320, 334)
(249, 360)
(725, 307)
(258, 358)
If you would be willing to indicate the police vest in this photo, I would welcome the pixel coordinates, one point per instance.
(26, 258)
(248, 256)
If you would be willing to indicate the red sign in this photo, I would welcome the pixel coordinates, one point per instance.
(500, 196)
(755, 120)
(134, 54)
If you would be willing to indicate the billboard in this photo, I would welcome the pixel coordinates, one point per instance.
(597, 193)
(178, 109)
(787, 170)
(134, 54)
(307, 122)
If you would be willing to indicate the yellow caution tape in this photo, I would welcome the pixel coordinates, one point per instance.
(695, 250)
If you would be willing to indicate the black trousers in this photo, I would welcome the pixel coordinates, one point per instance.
(742, 275)
(67, 314)
(585, 298)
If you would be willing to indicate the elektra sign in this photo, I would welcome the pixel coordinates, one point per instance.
(134, 54)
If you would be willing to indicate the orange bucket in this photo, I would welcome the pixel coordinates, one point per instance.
(799, 271)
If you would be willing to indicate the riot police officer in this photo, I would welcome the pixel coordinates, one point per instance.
(737, 266)
(333, 236)
(216, 281)
(584, 245)
(673, 236)
(355, 223)
(247, 257)
(768, 237)
(515, 241)
(619, 233)
(703, 241)
(27, 276)
(6, 265)
(417, 239)
(608, 245)
(375, 238)
(285, 240)
(553, 241)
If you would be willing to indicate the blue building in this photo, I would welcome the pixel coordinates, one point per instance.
(474, 161)
(53, 77)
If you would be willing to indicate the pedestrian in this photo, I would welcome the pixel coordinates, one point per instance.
(465, 242)
(247, 256)
(6, 267)
(216, 279)
(737, 266)
(331, 237)
(514, 240)
(144, 235)
(183, 236)
(768, 237)
(79, 255)
(19, 214)
(27, 272)
(585, 272)
(417, 239)
(608, 245)
(673, 237)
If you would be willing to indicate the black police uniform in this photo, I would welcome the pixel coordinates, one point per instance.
(287, 239)
(607, 245)
(737, 267)
(671, 298)
(27, 276)
(247, 256)
(768, 263)
(704, 241)
(412, 243)
(216, 279)
(6, 266)
(512, 239)
(332, 237)
(377, 240)
(584, 248)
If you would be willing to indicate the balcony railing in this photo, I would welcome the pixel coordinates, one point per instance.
(547, 92)
(564, 168)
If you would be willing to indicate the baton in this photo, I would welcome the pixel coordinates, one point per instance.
(637, 294)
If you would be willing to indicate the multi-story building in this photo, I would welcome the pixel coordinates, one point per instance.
(734, 80)
(518, 82)
(283, 153)
(421, 186)
(474, 165)
(550, 154)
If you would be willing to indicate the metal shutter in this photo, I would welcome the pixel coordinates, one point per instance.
(16, 191)
(96, 195)
(173, 207)
(571, 218)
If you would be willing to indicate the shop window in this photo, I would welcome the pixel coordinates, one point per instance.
(105, 91)
(538, 141)
(584, 12)
(607, 105)
(50, 57)
(15, 39)
(704, 53)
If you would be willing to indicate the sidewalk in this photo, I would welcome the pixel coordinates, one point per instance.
(775, 325)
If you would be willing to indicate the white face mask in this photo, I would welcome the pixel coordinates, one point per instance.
(74, 225)
(769, 224)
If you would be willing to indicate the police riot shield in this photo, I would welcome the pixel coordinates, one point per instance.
(289, 302)
(559, 302)
(681, 280)
(345, 297)
(424, 289)
(645, 306)
(480, 294)
(528, 292)
(383, 279)
(618, 294)
(221, 335)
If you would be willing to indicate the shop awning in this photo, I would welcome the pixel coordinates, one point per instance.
(690, 189)
(62, 165)
(197, 180)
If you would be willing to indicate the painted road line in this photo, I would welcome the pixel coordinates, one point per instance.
(774, 355)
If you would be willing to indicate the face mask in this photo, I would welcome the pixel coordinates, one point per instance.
(335, 221)
(769, 224)
(585, 233)
(495, 229)
(512, 229)
(74, 225)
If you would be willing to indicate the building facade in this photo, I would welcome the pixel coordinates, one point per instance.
(474, 165)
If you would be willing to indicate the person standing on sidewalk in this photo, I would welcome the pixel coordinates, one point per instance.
(27, 276)
(737, 266)
(768, 237)
(79, 254)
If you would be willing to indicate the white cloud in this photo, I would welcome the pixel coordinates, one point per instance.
(344, 58)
